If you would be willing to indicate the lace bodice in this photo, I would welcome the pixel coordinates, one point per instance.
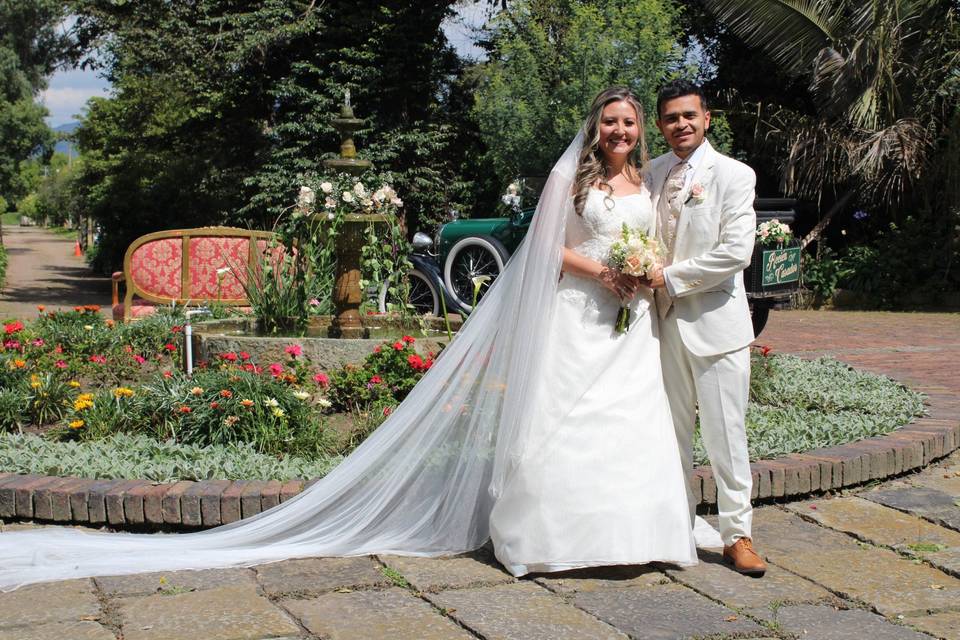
(593, 233)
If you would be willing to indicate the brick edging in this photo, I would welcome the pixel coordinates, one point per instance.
(209, 503)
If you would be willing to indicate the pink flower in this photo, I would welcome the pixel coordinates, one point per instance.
(11, 344)
(696, 190)
(98, 359)
(276, 369)
(37, 342)
(376, 380)
(58, 349)
(322, 379)
(167, 374)
(60, 364)
(294, 350)
(139, 358)
(244, 356)
(376, 349)
(314, 302)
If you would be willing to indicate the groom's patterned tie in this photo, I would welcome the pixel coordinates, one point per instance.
(671, 194)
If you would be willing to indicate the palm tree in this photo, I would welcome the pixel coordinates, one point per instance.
(876, 70)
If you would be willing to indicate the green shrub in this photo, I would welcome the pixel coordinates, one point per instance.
(3, 266)
(386, 376)
(139, 456)
(821, 274)
(797, 405)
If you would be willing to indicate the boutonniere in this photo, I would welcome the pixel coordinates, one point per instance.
(698, 194)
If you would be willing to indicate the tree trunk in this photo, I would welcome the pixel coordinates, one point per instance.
(825, 220)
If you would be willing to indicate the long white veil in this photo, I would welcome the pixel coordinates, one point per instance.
(422, 484)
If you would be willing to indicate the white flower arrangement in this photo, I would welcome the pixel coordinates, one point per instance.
(513, 197)
(773, 232)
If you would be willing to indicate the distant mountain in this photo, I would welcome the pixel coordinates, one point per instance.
(64, 146)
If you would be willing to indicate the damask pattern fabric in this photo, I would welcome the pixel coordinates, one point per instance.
(156, 267)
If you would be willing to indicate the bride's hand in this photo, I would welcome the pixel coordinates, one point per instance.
(620, 284)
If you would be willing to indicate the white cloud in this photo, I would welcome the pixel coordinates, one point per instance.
(68, 93)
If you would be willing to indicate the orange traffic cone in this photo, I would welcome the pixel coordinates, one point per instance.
(77, 251)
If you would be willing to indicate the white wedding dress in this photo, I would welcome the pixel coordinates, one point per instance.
(601, 481)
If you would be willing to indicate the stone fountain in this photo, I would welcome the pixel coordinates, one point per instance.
(347, 322)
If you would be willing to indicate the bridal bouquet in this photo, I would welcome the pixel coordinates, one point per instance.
(635, 254)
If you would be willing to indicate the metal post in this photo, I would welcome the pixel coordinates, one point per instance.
(188, 336)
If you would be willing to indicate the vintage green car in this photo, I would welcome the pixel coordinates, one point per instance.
(477, 247)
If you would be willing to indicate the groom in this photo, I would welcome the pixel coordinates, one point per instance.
(704, 205)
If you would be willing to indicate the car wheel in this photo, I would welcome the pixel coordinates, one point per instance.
(471, 258)
(759, 313)
(424, 296)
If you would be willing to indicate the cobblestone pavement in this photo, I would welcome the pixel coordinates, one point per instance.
(43, 270)
(879, 562)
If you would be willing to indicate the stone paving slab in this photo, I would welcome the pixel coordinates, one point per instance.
(67, 601)
(520, 611)
(437, 574)
(225, 613)
(886, 581)
(149, 583)
(758, 597)
(79, 630)
(600, 578)
(943, 625)
(875, 523)
(829, 623)
(943, 477)
(932, 504)
(313, 576)
(667, 611)
(394, 613)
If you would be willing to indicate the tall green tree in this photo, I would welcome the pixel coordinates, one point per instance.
(548, 59)
(31, 46)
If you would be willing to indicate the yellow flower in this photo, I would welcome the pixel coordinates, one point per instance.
(278, 412)
(83, 401)
(35, 384)
(74, 384)
(123, 392)
(76, 424)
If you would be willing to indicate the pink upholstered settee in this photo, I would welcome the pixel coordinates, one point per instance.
(186, 266)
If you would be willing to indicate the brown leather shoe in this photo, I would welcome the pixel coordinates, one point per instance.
(744, 558)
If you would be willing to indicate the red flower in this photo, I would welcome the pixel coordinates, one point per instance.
(322, 380)
(60, 364)
(95, 308)
(13, 327)
(185, 409)
(387, 411)
(248, 367)
(415, 361)
(765, 351)
(276, 369)
(399, 346)
(226, 393)
(40, 308)
(244, 356)
(170, 347)
(78, 308)
(214, 405)
(139, 358)
(427, 364)
(167, 374)
(98, 359)
(176, 329)
(376, 349)
(128, 348)
(230, 356)
(58, 349)
(408, 339)
(294, 350)
(376, 380)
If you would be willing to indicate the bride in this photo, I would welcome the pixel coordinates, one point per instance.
(540, 427)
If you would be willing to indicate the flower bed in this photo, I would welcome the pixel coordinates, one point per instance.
(83, 396)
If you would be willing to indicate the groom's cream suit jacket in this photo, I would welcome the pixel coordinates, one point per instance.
(714, 242)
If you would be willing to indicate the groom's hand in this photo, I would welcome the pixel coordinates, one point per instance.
(655, 278)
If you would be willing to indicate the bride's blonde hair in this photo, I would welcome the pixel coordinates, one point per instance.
(591, 167)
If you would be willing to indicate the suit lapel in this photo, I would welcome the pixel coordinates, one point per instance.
(657, 175)
(703, 175)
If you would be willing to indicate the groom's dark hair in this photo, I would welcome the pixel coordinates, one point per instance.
(678, 89)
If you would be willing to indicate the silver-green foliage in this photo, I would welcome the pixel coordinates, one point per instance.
(138, 456)
(797, 405)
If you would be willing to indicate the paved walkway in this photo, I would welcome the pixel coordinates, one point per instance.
(43, 270)
(881, 562)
